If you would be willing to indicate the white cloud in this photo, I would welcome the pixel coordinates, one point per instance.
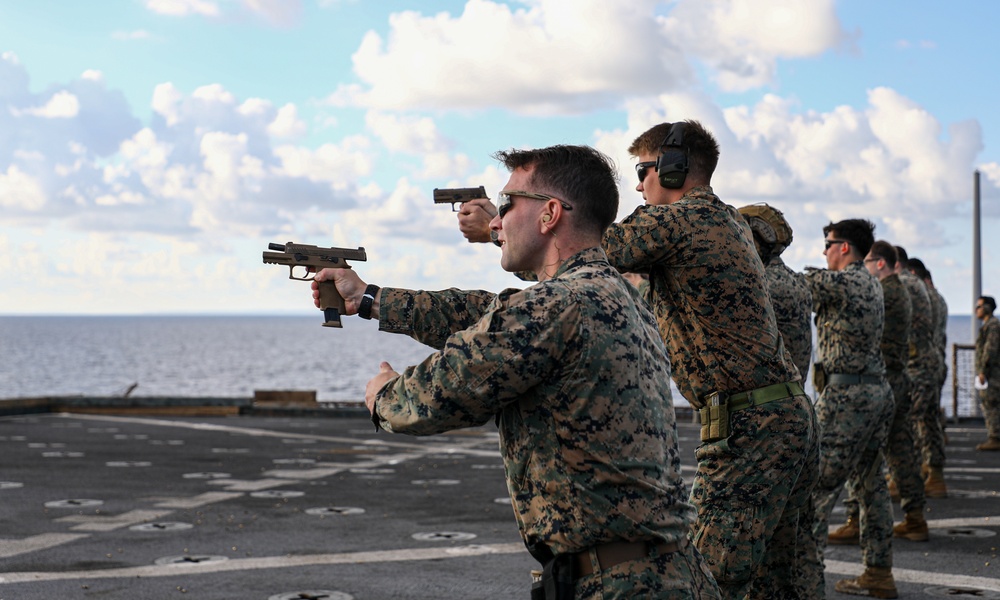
(280, 13)
(547, 58)
(529, 60)
(286, 123)
(205, 166)
(166, 99)
(214, 93)
(742, 39)
(183, 8)
(20, 190)
(413, 135)
(441, 165)
(62, 105)
(418, 136)
(332, 163)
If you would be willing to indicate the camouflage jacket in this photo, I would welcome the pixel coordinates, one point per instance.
(941, 326)
(850, 314)
(578, 378)
(792, 303)
(898, 317)
(708, 292)
(922, 353)
(988, 350)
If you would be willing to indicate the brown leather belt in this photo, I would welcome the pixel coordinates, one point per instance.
(613, 553)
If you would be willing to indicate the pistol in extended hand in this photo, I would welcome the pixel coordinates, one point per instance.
(312, 259)
(458, 195)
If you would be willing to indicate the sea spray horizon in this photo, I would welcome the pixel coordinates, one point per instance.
(218, 356)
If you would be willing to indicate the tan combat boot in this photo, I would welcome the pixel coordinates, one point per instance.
(875, 582)
(990, 444)
(847, 534)
(893, 488)
(934, 486)
(913, 527)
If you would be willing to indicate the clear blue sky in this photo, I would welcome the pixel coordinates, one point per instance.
(150, 149)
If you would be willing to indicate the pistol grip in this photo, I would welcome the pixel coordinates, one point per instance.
(332, 304)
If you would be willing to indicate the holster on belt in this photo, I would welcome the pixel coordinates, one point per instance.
(819, 377)
(557, 581)
(714, 418)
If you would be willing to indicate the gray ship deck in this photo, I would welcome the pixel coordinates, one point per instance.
(293, 507)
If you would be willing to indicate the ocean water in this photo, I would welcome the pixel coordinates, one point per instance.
(221, 356)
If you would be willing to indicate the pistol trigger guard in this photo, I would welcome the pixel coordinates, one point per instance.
(291, 274)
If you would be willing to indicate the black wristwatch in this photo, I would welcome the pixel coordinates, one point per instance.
(365, 310)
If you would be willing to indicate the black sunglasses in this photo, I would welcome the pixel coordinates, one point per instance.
(504, 200)
(641, 168)
(828, 243)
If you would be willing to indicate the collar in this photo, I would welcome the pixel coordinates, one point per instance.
(580, 259)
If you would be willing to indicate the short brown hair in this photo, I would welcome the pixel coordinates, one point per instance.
(581, 175)
(860, 233)
(703, 150)
(885, 251)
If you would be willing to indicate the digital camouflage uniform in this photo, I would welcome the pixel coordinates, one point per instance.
(900, 455)
(929, 429)
(792, 302)
(941, 337)
(854, 418)
(708, 292)
(924, 370)
(988, 363)
(578, 380)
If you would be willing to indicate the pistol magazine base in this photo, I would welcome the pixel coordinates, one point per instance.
(331, 317)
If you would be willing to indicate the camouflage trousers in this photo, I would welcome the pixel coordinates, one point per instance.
(901, 454)
(680, 575)
(751, 490)
(927, 427)
(989, 401)
(854, 420)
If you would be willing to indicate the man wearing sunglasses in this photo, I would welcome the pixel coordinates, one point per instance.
(900, 455)
(576, 376)
(855, 404)
(758, 460)
(988, 371)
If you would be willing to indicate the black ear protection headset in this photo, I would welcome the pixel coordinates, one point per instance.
(672, 164)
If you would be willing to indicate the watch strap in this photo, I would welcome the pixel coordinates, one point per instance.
(365, 310)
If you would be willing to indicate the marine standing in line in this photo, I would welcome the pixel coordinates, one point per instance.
(926, 412)
(988, 370)
(790, 295)
(855, 404)
(576, 375)
(900, 454)
(940, 338)
(759, 458)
